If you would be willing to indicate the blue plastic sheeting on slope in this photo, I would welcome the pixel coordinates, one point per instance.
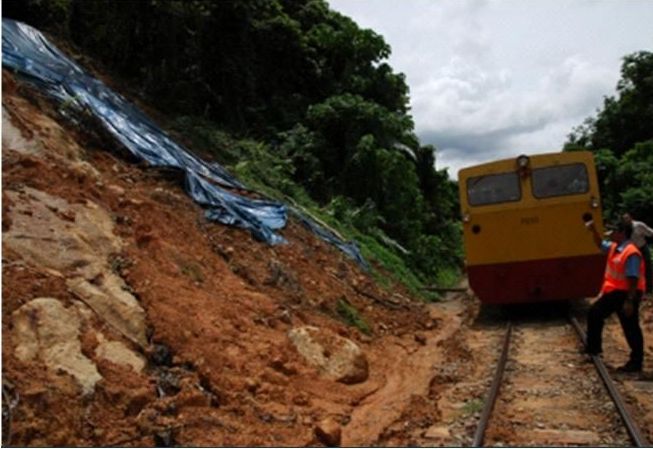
(349, 248)
(260, 217)
(28, 52)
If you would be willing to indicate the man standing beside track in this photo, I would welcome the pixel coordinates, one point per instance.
(623, 287)
(640, 232)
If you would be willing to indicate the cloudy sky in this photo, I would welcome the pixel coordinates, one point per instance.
(495, 79)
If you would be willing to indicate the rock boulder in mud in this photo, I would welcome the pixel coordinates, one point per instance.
(336, 357)
(44, 329)
(328, 431)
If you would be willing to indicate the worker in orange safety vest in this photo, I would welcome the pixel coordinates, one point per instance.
(623, 286)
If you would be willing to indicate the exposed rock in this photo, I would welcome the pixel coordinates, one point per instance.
(328, 431)
(116, 352)
(336, 357)
(13, 139)
(114, 305)
(43, 328)
(116, 189)
(41, 236)
(437, 432)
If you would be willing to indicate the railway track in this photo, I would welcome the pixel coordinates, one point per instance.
(578, 399)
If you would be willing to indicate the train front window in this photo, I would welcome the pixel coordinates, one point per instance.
(493, 189)
(560, 180)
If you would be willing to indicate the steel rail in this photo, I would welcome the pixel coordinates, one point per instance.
(633, 430)
(494, 391)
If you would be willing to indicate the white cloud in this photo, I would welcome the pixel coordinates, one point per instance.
(492, 79)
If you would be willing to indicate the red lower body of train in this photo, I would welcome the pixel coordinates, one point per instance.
(538, 280)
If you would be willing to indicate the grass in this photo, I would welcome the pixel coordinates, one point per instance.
(350, 315)
(391, 262)
(448, 277)
(473, 406)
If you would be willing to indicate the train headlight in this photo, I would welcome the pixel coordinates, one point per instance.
(466, 218)
(523, 163)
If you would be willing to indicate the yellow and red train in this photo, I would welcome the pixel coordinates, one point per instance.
(523, 228)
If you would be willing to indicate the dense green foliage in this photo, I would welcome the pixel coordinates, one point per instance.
(621, 137)
(295, 98)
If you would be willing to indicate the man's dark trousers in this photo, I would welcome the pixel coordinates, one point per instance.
(605, 306)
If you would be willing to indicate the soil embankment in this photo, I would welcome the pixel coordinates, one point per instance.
(130, 319)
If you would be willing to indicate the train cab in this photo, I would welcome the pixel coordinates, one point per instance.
(523, 228)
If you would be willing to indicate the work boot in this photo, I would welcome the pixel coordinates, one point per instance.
(630, 367)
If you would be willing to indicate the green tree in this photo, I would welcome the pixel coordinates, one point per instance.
(635, 172)
(625, 120)
(606, 168)
(620, 136)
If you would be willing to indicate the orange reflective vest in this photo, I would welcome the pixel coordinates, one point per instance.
(615, 270)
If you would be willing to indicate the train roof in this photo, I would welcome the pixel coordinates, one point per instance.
(508, 164)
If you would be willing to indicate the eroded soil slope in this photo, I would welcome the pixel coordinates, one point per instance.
(129, 319)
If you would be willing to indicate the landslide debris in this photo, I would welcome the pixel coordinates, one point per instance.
(129, 319)
(335, 356)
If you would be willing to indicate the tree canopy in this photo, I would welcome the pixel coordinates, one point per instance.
(621, 137)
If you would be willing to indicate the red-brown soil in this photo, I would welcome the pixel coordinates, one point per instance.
(218, 303)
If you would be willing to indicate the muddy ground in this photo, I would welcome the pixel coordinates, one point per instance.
(128, 319)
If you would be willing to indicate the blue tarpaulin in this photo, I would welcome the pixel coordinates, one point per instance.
(349, 248)
(26, 51)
